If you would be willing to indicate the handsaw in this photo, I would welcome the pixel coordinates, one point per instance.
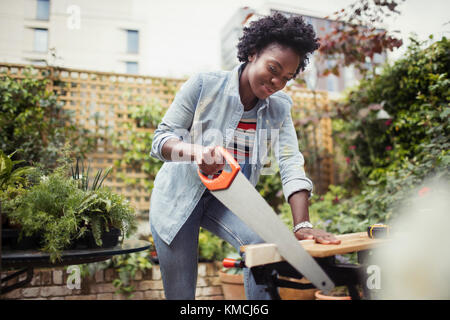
(234, 190)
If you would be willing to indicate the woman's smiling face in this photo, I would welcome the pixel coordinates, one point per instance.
(271, 69)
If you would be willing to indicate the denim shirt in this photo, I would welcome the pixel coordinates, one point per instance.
(206, 111)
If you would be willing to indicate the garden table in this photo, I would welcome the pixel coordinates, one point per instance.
(267, 265)
(30, 259)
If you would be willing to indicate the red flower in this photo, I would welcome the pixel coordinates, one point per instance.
(336, 200)
(347, 159)
(388, 122)
(388, 148)
(352, 147)
(423, 191)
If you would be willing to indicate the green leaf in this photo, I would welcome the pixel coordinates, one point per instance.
(445, 114)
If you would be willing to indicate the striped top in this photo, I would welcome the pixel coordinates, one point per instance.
(241, 146)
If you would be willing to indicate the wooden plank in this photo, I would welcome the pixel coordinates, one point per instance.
(265, 253)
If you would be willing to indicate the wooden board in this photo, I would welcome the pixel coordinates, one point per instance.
(265, 253)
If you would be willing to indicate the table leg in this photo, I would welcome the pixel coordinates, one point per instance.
(272, 287)
(354, 293)
(363, 257)
(268, 277)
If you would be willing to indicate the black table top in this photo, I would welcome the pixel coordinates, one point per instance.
(35, 258)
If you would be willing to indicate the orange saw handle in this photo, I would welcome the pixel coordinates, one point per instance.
(232, 263)
(224, 180)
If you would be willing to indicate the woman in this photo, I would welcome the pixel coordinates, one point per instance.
(244, 111)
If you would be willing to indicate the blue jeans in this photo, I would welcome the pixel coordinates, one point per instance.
(179, 260)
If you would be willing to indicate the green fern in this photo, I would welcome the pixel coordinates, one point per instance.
(61, 212)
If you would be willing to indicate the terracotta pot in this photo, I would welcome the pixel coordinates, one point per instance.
(297, 294)
(320, 296)
(232, 286)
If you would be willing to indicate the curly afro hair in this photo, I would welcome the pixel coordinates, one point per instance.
(290, 32)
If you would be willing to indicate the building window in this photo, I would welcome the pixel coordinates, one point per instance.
(132, 41)
(43, 9)
(40, 40)
(331, 83)
(132, 67)
(349, 76)
(327, 26)
(378, 58)
(332, 80)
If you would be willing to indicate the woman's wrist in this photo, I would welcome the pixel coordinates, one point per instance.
(299, 206)
(302, 225)
(177, 150)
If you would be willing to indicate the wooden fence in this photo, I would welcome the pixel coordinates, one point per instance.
(101, 102)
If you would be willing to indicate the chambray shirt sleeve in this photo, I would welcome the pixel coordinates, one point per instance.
(291, 161)
(178, 118)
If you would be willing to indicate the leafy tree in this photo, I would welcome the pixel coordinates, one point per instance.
(355, 39)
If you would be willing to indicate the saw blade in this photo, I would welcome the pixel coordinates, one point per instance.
(245, 202)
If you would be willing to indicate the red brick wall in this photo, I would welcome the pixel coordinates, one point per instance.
(51, 284)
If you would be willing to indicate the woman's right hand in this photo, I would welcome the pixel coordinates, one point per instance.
(209, 160)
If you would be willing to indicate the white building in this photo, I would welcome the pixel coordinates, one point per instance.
(148, 37)
(104, 35)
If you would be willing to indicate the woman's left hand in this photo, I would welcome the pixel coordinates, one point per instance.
(320, 236)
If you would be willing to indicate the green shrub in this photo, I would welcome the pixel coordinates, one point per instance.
(10, 176)
(390, 157)
(415, 92)
(50, 209)
(58, 210)
(32, 119)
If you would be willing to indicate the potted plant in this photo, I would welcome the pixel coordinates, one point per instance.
(101, 212)
(297, 294)
(338, 293)
(104, 216)
(62, 210)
